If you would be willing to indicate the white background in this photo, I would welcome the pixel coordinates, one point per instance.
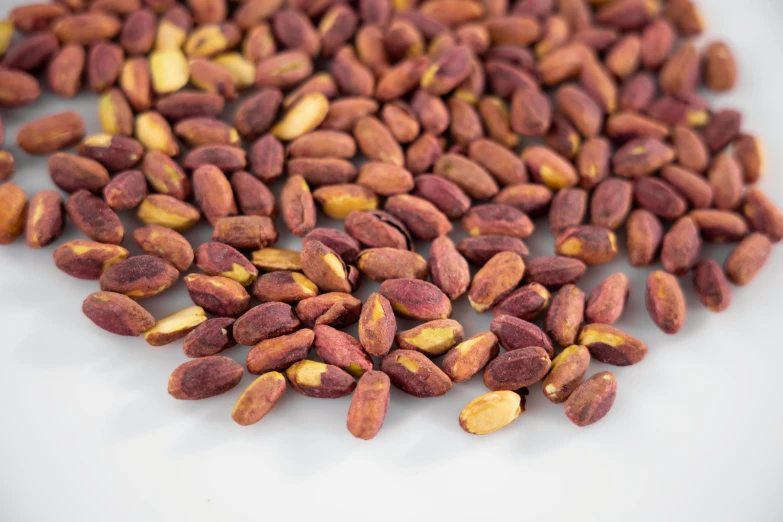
(90, 434)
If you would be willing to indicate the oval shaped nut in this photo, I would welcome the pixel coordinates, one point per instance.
(35, 17)
(725, 178)
(45, 218)
(72, 173)
(340, 201)
(213, 77)
(495, 280)
(224, 157)
(680, 74)
(204, 378)
(531, 198)
(711, 286)
(762, 215)
(200, 131)
(154, 132)
(87, 259)
(514, 333)
(503, 164)
(245, 231)
(213, 193)
(554, 272)
(747, 258)
(7, 165)
(324, 267)
(342, 350)
(255, 116)
(496, 118)
(345, 112)
(628, 125)
(599, 84)
(319, 380)
(375, 229)
(432, 338)
(283, 286)
(219, 259)
(465, 122)
(258, 399)
(719, 226)
(209, 338)
(377, 325)
(18, 88)
(267, 158)
(593, 162)
(166, 244)
(252, 196)
(448, 269)
(115, 153)
(722, 128)
(657, 42)
(86, 28)
(322, 171)
(447, 196)
(468, 175)
(750, 154)
(414, 374)
(641, 157)
(530, 113)
(719, 66)
(385, 179)
(622, 59)
(525, 303)
(607, 301)
(94, 218)
(416, 299)
(65, 71)
(345, 246)
(565, 315)
(117, 314)
(210, 39)
(580, 109)
(138, 32)
(139, 276)
(265, 321)
(448, 70)
(218, 295)
(271, 259)
(691, 150)
(352, 77)
(591, 401)
(380, 264)
(175, 326)
(497, 219)
(303, 117)
(401, 121)
(421, 217)
(490, 412)
(637, 92)
(104, 65)
(335, 309)
(136, 83)
(369, 405)
(563, 137)
(470, 356)
(566, 373)
(167, 211)
(563, 63)
(431, 111)
(319, 82)
(516, 369)
(323, 144)
(691, 185)
(549, 168)
(279, 353)
(644, 233)
(590, 244)
(568, 209)
(665, 301)
(115, 114)
(376, 141)
(295, 31)
(51, 133)
(610, 345)
(681, 247)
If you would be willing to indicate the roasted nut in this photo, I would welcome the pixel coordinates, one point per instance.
(166, 244)
(173, 28)
(344, 245)
(266, 158)
(17, 88)
(204, 378)
(748, 152)
(139, 276)
(719, 226)
(420, 216)
(369, 405)
(433, 338)
(218, 259)
(175, 326)
(377, 229)
(138, 32)
(468, 175)
(747, 258)
(599, 83)
(87, 259)
(638, 92)
(376, 141)
(504, 166)
(283, 286)
(303, 117)
(117, 314)
(271, 259)
(342, 350)
(495, 117)
(278, 353)
(115, 114)
(566, 373)
(497, 219)
(344, 113)
(495, 280)
(691, 185)
(220, 296)
(657, 42)
(380, 264)
(611, 346)
(352, 77)
(154, 132)
(45, 219)
(86, 28)
(94, 218)
(490, 412)
(72, 173)
(51, 133)
(720, 69)
(160, 209)
(591, 401)
(641, 157)
(445, 195)
(665, 301)
(554, 272)
(431, 111)
(259, 398)
(415, 374)
(530, 198)
(35, 17)
(470, 356)
(576, 105)
(568, 209)
(588, 243)
(186, 104)
(245, 231)
(607, 301)
(628, 125)
(212, 192)
(525, 303)
(723, 127)
(563, 137)
(199, 131)
(319, 380)
(255, 116)
(252, 196)
(644, 233)
(385, 179)
(681, 247)
(549, 168)
(265, 321)
(7, 165)
(565, 315)
(448, 269)
(104, 65)
(516, 369)
(323, 144)
(335, 309)
(136, 82)
(377, 325)
(209, 338)
(116, 153)
(691, 149)
(725, 178)
(762, 215)
(416, 299)
(64, 73)
(712, 287)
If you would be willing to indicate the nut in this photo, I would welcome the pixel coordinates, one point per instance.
(681, 247)
(694, 187)
(401, 121)
(369, 405)
(116, 153)
(725, 178)
(566, 373)
(166, 244)
(204, 378)
(219, 259)
(431, 111)
(303, 117)
(680, 73)
(549, 168)
(657, 42)
(641, 157)
(590, 244)
(385, 179)
(723, 127)
(173, 28)
(72, 173)
(712, 287)
(210, 39)
(86, 28)
(432, 338)
(278, 353)
(415, 374)
(266, 158)
(186, 104)
(444, 194)
(339, 201)
(139, 276)
(665, 301)
(159, 209)
(94, 218)
(334, 309)
(104, 65)
(495, 280)
(376, 141)
(576, 105)
(220, 296)
(255, 116)
(324, 267)
(342, 350)
(323, 144)
(344, 245)
(381, 264)
(525, 303)
(87, 259)
(7, 165)
(762, 214)
(692, 152)
(747, 258)
(375, 228)
(448, 269)
(514, 334)
(530, 198)
(245, 231)
(644, 233)
(568, 209)
(750, 155)
(611, 346)
(271, 259)
(495, 117)
(468, 175)
(322, 171)
(352, 77)
(517, 368)
(115, 114)
(154, 132)
(64, 73)
(209, 338)
(35, 17)
(628, 125)
(224, 157)
(258, 399)
(196, 132)
(138, 32)
(563, 137)
(117, 314)
(607, 301)
(497, 219)
(265, 321)
(719, 226)
(420, 216)
(490, 412)
(345, 112)
(283, 286)
(504, 165)
(402, 78)
(175, 326)
(720, 69)
(592, 400)
(252, 196)
(599, 83)
(565, 315)
(213, 193)
(470, 356)
(416, 299)
(17, 88)
(465, 122)
(554, 272)
(319, 380)
(45, 219)
(51, 133)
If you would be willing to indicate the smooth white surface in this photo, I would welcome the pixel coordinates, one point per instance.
(90, 434)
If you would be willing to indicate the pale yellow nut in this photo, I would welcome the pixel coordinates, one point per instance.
(170, 70)
(151, 214)
(306, 373)
(170, 36)
(305, 116)
(490, 412)
(172, 325)
(242, 70)
(433, 341)
(271, 259)
(206, 40)
(155, 134)
(6, 33)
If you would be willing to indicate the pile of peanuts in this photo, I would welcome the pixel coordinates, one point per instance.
(396, 117)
